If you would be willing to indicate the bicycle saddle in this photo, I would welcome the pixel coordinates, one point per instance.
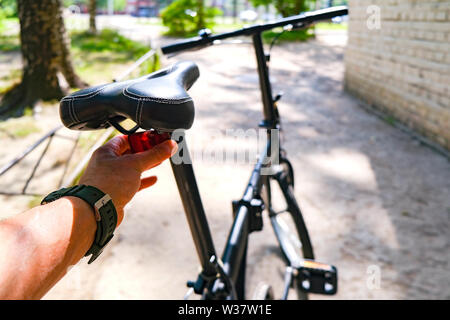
(156, 101)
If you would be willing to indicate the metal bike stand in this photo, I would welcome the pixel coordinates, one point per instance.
(48, 137)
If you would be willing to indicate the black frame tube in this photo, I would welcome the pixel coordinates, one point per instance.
(234, 252)
(195, 214)
(235, 249)
(236, 243)
(264, 81)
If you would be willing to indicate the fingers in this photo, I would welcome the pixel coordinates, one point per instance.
(143, 160)
(151, 158)
(117, 145)
(147, 182)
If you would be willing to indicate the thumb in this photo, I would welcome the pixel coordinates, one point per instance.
(156, 155)
(147, 182)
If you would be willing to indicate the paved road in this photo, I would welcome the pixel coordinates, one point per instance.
(375, 199)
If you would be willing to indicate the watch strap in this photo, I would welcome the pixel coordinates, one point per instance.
(104, 212)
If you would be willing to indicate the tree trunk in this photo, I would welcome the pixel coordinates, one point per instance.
(201, 24)
(45, 55)
(299, 6)
(66, 66)
(92, 14)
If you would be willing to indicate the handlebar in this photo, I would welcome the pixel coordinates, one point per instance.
(189, 44)
(298, 20)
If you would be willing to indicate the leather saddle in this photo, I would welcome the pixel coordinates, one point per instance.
(156, 101)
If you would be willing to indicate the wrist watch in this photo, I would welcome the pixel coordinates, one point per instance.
(104, 211)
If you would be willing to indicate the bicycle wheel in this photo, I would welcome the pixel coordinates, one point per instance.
(286, 219)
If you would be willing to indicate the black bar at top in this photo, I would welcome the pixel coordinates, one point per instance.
(305, 18)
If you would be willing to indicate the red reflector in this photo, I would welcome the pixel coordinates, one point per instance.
(146, 140)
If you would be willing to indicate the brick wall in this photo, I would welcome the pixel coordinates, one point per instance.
(403, 67)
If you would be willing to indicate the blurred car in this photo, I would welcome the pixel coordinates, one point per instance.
(145, 12)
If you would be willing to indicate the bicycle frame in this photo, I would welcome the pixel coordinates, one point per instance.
(234, 254)
(247, 211)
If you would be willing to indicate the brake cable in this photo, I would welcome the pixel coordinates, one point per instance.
(288, 27)
(274, 40)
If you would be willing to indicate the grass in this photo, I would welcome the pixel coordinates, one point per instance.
(302, 35)
(9, 36)
(107, 40)
(225, 27)
(99, 57)
(9, 43)
(331, 26)
(6, 24)
(7, 80)
(17, 128)
(289, 36)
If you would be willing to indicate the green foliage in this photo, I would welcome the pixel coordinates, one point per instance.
(287, 7)
(258, 3)
(186, 17)
(119, 5)
(67, 3)
(8, 9)
(107, 40)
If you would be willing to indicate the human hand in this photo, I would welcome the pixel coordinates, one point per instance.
(117, 172)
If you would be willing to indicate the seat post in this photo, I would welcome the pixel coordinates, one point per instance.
(195, 214)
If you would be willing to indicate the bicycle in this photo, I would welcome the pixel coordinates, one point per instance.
(162, 112)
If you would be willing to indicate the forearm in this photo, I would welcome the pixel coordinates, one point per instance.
(41, 244)
(38, 246)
